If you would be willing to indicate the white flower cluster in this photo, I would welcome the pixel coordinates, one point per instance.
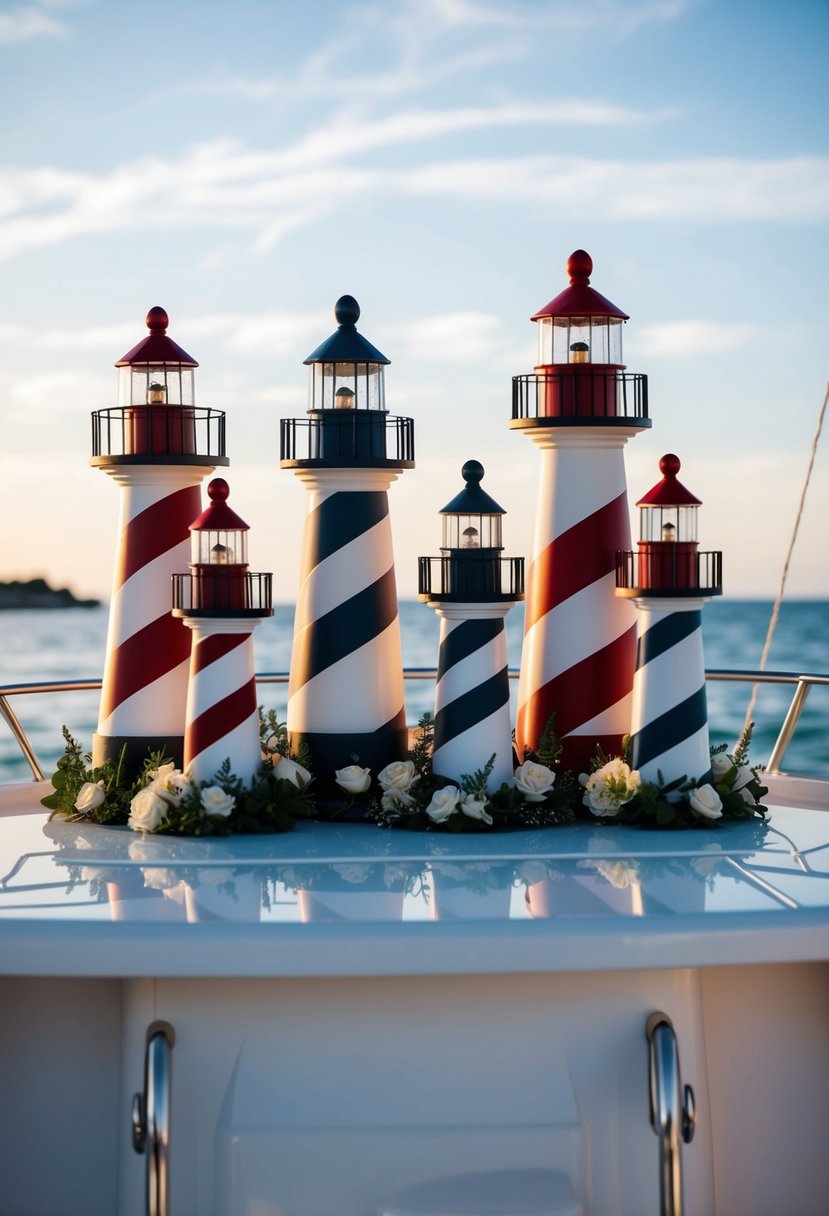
(721, 766)
(610, 787)
(168, 786)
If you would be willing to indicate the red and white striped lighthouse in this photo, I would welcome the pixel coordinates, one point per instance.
(157, 446)
(579, 407)
(222, 602)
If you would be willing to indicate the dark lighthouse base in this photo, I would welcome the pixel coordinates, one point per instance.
(328, 752)
(138, 748)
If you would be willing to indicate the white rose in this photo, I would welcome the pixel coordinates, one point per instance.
(706, 802)
(744, 776)
(173, 785)
(444, 804)
(272, 743)
(721, 764)
(353, 872)
(90, 795)
(747, 797)
(353, 779)
(534, 780)
(216, 801)
(392, 799)
(399, 775)
(164, 770)
(475, 808)
(287, 769)
(147, 810)
(610, 787)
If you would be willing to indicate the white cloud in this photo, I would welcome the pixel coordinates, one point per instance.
(22, 24)
(457, 337)
(676, 338)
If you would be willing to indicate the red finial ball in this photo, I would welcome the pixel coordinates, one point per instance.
(670, 465)
(218, 490)
(579, 267)
(157, 320)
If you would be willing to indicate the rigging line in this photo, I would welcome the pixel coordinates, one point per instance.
(775, 613)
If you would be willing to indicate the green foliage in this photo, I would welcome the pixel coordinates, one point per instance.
(549, 748)
(420, 752)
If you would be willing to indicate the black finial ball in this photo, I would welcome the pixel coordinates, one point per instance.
(347, 311)
(472, 472)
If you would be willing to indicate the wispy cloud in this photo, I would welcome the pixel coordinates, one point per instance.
(222, 185)
(677, 338)
(23, 24)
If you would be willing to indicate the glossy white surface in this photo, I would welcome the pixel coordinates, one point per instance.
(356, 900)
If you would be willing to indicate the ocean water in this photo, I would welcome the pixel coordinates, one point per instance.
(69, 644)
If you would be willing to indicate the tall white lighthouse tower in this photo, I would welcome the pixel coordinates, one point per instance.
(157, 446)
(579, 407)
(345, 695)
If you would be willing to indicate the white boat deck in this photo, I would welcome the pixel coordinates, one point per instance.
(356, 900)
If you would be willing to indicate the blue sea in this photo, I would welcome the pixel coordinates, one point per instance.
(69, 644)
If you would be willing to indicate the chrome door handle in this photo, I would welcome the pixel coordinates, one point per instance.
(672, 1110)
(151, 1116)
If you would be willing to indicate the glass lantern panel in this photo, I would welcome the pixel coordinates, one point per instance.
(668, 523)
(471, 532)
(579, 340)
(162, 384)
(346, 386)
(219, 547)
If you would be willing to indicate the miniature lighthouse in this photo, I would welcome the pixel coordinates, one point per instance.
(157, 446)
(668, 580)
(472, 588)
(345, 696)
(222, 602)
(579, 408)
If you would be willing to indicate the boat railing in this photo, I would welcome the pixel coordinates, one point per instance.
(801, 682)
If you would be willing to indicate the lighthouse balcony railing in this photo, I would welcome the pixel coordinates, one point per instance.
(471, 576)
(346, 437)
(669, 568)
(172, 434)
(222, 590)
(82, 712)
(580, 394)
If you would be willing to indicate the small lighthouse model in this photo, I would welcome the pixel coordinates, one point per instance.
(472, 588)
(668, 580)
(579, 408)
(222, 603)
(157, 446)
(345, 696)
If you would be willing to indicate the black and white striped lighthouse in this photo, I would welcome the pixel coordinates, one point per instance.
(345, 696)
(472, 587)
(669, 580)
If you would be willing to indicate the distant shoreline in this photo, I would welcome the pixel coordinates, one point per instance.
(36, 593)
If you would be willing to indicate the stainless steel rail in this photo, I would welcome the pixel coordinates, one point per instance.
(672, 1112)
(151, 1116)
(802, 684)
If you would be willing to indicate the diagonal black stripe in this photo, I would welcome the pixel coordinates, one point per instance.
(667, 632)
(465, 639)
(470, 708)
(669, 729)
(339, 519)
(344, 629)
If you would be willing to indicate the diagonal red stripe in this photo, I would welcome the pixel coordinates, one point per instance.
(219, 720)
(581, 555)
(142, 658)
(215, 647)
(580, 693)
(156, 530)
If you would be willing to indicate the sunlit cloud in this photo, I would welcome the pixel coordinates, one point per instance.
(30, 21)
(676, 338)
(457, 337)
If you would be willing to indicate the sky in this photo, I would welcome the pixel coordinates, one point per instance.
(244, 165)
